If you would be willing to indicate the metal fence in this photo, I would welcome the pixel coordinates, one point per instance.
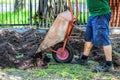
(36, 12)
(42, 13)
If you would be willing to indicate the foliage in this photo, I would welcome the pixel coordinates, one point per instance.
(22, 16)
(82, 17)
(79, 1)
(6, 1)
(19, 17)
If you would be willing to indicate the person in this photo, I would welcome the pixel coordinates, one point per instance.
(97, 33)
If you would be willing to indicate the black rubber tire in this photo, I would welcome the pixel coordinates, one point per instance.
(69, 49)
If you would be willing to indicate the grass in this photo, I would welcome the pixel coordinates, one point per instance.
(23, 17)
(79, 1)
(57, 71)
(13, 1)
(19, 17)
(16, 17)
(63, 71)
(67, 71)
(7, 1)
(27, 1)
(83, 17)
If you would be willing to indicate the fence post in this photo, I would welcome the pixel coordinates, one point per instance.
(30, 12)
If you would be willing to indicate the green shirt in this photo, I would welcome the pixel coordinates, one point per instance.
(98, 7)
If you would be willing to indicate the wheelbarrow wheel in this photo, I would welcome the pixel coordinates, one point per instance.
(66, 57)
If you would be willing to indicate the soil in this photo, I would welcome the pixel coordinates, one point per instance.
(97, 53)
(18, 50)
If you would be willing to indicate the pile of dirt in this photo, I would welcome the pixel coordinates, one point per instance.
(77, 42)
(97, 53)
(17, 50)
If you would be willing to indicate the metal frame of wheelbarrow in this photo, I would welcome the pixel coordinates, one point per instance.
(67, 35)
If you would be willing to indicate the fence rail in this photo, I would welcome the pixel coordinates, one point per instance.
(42, 13)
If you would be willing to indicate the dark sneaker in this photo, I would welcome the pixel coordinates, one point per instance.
(104, 68)
(79, 61)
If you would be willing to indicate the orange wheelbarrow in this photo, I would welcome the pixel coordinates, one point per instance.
(59, 34)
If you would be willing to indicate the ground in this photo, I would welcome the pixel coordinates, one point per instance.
(62, 72)
(17, 49)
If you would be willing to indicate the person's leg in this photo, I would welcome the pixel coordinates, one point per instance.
(108, 65)
(86, 52)
(108, 55)
(83, 58)
(108, 52)
(101, 38)
(87, 48)
(88, 38)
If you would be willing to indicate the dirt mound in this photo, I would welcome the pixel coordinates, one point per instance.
(96, 52)
(77, 42)
(18, 49)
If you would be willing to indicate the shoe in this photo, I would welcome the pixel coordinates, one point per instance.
(79, 61)
(104, 68)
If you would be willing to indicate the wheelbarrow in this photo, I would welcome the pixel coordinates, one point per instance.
(56, 39)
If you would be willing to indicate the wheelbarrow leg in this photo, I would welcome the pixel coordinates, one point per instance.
(68, 33)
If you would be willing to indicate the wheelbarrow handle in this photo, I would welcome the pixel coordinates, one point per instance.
(74, 18)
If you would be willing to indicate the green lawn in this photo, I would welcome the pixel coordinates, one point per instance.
(7, 1)
(63, 71)
(22, 17)
(83, 17)
(19, 17)
(13, 1)
(27, 1)
(79, 1)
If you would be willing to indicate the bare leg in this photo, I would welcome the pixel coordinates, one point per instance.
(108, 66)
(108, 52)
(84, 57)
(87, 48)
